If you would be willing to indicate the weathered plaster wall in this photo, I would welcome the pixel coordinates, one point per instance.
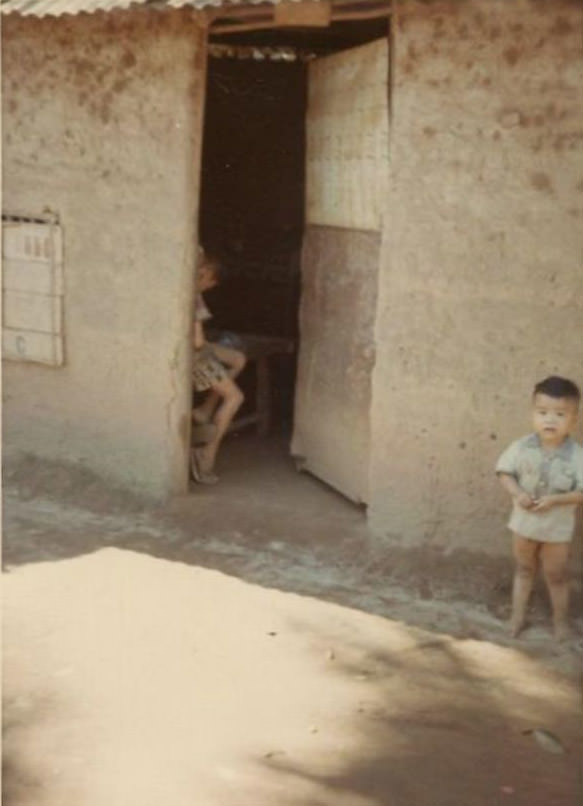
(482, 284)
(101, 123)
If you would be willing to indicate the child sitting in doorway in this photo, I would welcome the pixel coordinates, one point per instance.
(543, 473)
(214, 368)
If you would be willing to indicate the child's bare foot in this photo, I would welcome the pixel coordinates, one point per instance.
(561, 631)
(199, 474)
(204, 458)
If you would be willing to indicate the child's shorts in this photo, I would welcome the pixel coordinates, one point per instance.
(207, 370)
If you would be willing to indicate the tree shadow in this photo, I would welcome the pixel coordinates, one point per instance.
(430, 728)
(21, 782)
(437, 728)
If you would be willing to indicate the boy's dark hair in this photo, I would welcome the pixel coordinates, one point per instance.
(212, 262)
(555, 386)
(215, 264)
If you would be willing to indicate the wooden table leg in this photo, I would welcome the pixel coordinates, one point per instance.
(263, 393)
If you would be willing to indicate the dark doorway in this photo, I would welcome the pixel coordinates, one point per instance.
(252, 206)
(252, 212)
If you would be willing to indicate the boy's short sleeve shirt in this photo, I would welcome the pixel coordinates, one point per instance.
(541, 473)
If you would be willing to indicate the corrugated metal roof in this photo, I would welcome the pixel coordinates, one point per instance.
(55, 8)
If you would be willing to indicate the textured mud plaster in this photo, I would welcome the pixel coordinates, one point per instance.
(337, 353)
(481, 289)
(101, 125)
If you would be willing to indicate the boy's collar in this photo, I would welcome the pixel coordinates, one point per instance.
(564, 447)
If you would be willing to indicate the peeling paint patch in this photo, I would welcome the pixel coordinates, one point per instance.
(509, 118)
(561, 27)
(568, 141)
(120, 85)
(542, 182)
(511, 56)
(128, 60)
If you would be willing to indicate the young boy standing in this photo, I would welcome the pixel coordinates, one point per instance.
(543, 473)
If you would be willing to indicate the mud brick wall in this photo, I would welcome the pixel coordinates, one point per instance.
(101, 124)
(481, 292)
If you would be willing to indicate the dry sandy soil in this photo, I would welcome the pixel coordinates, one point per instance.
(248, 646)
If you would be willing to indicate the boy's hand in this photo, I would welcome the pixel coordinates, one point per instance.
(544, 504)
(524, 500)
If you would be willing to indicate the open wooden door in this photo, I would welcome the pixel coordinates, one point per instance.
(346, 178)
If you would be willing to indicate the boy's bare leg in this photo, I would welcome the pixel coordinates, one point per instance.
(204, 413)
(525, 556)
(555, 558)
(235, 360)
(231, 398)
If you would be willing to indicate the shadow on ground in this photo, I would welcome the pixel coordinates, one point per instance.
(114, 607)
(268, 524)
(131, 679)
(458, 730)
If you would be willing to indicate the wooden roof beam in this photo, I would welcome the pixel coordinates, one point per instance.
(267, 16)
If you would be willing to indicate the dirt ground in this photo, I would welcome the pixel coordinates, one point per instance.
(264, 652)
